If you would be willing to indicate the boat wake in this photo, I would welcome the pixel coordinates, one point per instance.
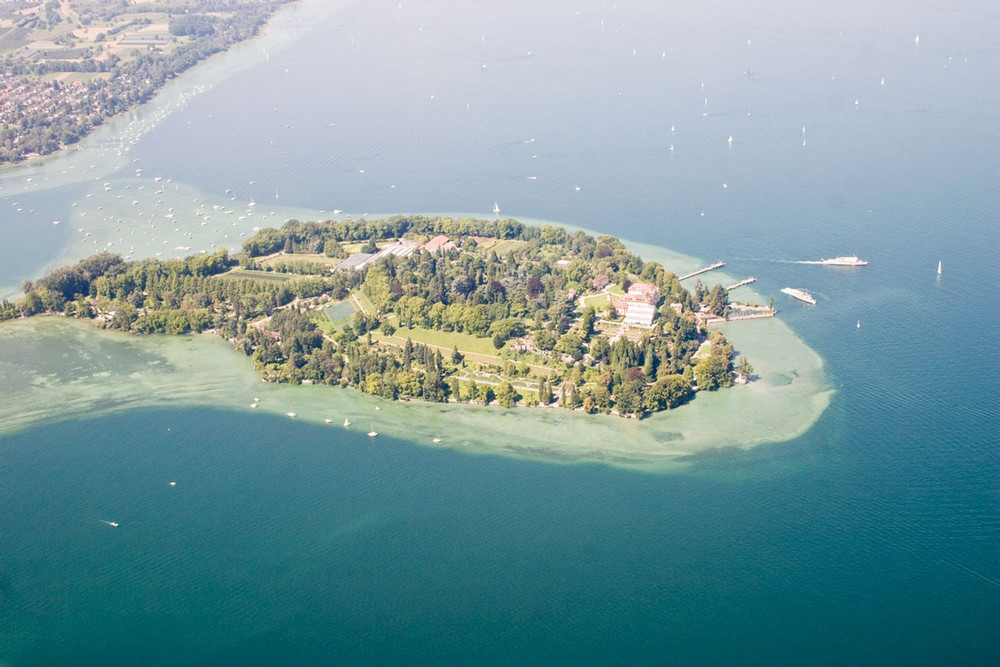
(776, 261)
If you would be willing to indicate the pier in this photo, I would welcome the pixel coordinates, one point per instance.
(755, 315)
(742, 311)
(752, 316)
(741, 283)
(750, 307)
(713, 267)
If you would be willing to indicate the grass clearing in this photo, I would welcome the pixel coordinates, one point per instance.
(322, 260)
(596, 301)
(449, 340)
(351, 248)
(84, 77)
(340, 313)
(473, 348)
(507, 247)
(366, 305)
(323, 323)
(254, 274)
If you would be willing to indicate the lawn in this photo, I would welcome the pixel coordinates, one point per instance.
(367, 307)
(322, 260)
(449, 340)
(351, 248)
(522, 384)
(339, 313)
(506, 247)
(253, 274)
(596, 301)
(474, 349)
(600, 301)
(84, 77)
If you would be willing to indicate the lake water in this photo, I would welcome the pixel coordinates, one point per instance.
(870, 538)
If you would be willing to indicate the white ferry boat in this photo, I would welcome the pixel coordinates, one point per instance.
(852, 260)
(799, 294)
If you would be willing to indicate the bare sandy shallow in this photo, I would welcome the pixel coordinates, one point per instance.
(54, 368)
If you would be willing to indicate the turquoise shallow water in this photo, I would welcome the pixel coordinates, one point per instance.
(871, 538)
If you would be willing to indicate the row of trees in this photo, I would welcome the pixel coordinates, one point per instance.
(314, 237)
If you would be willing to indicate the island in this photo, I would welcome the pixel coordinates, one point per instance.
(430, 308)
(66, 67)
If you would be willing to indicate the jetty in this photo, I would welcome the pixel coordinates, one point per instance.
(713, 267)
(745, 281)
(744, 314)
(751, 316)
(739, 311)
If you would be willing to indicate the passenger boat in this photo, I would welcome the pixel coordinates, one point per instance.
(851, 260)
(799, 294)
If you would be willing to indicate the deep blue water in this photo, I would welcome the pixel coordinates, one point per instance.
(873, 538)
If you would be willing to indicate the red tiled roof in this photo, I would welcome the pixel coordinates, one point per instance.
(439, 242)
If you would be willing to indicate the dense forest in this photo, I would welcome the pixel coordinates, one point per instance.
(518, 287)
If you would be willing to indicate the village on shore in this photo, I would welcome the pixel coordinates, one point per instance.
(66, 67)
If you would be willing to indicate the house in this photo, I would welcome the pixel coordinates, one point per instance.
(600, 282)
(639, 304)
(438, 243)
(643, 293)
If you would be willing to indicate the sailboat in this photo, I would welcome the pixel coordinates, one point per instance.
(347, 422)
(496, 208)
(939, 267)
(436, 439)
(859, 324)
(372, 433)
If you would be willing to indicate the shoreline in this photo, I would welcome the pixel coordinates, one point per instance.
(792, 392)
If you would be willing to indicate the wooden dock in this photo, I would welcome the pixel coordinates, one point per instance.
(713, 267)
(753, 316)
(750, 307)
(735, 318)
(741, 283)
